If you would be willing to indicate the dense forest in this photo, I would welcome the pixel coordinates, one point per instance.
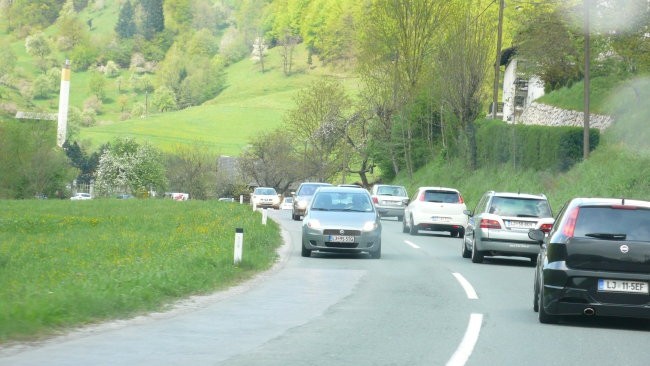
(425, 71)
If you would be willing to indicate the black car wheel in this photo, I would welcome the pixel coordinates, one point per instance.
(543, 316)
(305, 252)
(400, 218)
(405, 229)
(412, 229)
(453, 234)
(377, 253)
(465, 253)
(477, 255)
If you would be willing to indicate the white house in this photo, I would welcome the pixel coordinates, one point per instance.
(518, 91)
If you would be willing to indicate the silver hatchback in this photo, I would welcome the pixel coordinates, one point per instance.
(500, 224)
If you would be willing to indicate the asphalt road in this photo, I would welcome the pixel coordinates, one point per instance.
(421, 304)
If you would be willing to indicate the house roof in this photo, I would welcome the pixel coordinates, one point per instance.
(507, 54)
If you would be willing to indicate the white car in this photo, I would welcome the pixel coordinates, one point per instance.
(287, 203)
(436, 209)
(81, 196)
(264, 197)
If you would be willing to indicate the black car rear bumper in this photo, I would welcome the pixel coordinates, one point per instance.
(575, 292)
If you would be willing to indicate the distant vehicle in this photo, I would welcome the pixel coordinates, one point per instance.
(500, 223)
(40, 196)
(81, 196)
(178, 196)
(302, 198)
(436, 209)
(349, 185)
(124, 196)
(226, 199)
(595, 261)
(341, 219)
(390, 200)
(287, 203)
(265, 197)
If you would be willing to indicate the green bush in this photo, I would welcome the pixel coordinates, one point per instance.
(534, 147)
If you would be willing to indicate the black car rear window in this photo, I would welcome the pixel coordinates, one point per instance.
(441, 196)
(613, 223)
(519, 207)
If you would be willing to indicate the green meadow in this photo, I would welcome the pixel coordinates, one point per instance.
(70, 263)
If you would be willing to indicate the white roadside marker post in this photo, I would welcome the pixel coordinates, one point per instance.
(264, 216)
(241, 199)
(239, 244)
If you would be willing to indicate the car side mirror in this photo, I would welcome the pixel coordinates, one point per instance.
(467, 212)
(537, 235)
(405, 201)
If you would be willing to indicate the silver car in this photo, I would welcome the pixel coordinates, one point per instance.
(390, 200)
(302, 198)
(500, 224)
(341, 219)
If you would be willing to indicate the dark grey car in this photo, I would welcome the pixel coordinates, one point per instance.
(302, 198)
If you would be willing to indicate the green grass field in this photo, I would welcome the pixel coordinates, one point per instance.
(67, 263)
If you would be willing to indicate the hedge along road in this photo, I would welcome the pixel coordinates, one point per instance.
(412, 307)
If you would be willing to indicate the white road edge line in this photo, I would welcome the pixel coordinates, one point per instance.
(469, 290)
(466, 346)
(411, 244)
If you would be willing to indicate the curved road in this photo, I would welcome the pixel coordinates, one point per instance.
(421, 304)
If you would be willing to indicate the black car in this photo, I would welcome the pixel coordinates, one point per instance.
(595, 261)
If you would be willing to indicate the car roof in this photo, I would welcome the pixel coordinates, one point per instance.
(438, 189)
(518, 195)
(314, 184)
(596, 201)
(341, 189)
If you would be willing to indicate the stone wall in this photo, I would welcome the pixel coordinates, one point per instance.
(543, 114)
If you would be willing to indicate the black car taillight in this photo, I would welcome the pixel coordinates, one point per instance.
(569, 225)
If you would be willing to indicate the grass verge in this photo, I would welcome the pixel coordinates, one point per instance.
(69, 263)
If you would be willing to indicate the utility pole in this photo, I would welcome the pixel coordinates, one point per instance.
(497, 62)
(585, 134)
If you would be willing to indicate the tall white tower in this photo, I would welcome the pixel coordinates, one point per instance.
(64, 97)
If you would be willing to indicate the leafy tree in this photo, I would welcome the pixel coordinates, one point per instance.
(462, 67)
(179, 13)
(125, 27)
(87, 164)
(164, 99)
(316, 121)
(7, 59)
(97, 85)
(192, 170)
(550, 45)
(153, 18)
(38, 46)
(273, 160)
(71, 30)
(126, 165)
(30, 163)
(33, 13)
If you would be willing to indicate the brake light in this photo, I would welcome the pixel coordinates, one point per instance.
(374, 199)
(490, 224)
(546, 228)
(421, 198)
(623, 207)
(569, 225)
(460, 198)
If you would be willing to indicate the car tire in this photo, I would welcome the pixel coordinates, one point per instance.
(305, 252)
(453, 233)
(377, 253)
(412, 229)
(461, 232)
(533, 260)
(465, 253)
(400, 218)
(405, 229)
(477, 255)
(536, 295)
(294, 216)
(543, 316)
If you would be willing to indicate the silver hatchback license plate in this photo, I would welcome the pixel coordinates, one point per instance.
(632, 287)
(341, 239)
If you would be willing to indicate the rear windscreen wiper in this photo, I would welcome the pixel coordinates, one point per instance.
(607, 236)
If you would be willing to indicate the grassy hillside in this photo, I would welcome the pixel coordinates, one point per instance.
(253, 101)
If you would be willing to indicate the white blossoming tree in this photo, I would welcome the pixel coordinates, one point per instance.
(126, 166)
